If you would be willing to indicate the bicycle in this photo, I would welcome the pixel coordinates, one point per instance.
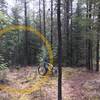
(44, 68)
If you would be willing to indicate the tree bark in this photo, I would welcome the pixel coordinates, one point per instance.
(59, 51)
(98, 37)
(52, 23)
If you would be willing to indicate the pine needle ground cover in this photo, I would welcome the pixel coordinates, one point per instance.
(78, 84)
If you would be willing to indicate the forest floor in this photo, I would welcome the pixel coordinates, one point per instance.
(77, 84)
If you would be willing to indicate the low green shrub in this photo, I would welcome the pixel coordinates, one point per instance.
(3, 71)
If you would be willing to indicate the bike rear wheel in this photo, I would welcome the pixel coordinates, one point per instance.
(42, 70)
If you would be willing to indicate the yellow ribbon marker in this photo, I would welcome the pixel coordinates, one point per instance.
(36, 86)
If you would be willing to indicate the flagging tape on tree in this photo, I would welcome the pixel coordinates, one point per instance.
(37, 85)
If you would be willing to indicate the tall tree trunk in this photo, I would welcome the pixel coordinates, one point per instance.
(52, 23)
(40, 14)
(67, 33)
(66, 28)
(44, 22)
(89, 59)
(26, 62)
(98, 37)
(59, 51)
(97, 55)
(71, 51)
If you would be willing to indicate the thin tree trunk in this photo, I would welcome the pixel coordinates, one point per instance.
(26, 36)
(71, 33)
(40, 14)
(59, 51)
(66, 29)
(44, 26)
(52, 23)
(67, 33)
(97, 55)
(98, 37)
(89, 59)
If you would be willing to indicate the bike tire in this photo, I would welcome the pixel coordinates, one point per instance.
(42, 73)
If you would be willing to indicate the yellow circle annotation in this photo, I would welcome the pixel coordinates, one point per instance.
(36, 86)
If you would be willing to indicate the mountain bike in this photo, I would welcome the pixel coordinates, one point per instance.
(45, 67)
